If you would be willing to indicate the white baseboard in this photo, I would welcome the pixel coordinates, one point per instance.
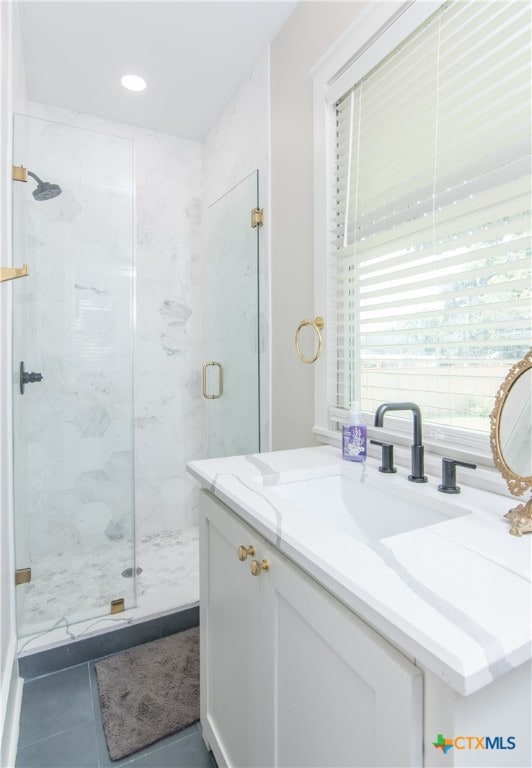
(11, 700)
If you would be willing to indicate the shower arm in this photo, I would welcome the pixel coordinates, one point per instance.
(34, 176)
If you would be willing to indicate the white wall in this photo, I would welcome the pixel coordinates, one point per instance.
(308, 34)
(236, 145)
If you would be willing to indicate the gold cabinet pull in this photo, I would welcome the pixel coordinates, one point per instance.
(220, 381)
(243, 551)
(256, 567)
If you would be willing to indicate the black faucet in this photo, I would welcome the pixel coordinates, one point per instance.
(448, 474)
(418, 471)
(387, 457)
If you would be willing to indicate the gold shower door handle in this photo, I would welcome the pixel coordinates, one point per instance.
(220, 381)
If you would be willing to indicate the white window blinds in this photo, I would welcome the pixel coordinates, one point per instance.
(429, 290)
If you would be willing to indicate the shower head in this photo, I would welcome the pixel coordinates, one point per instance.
(45, 190)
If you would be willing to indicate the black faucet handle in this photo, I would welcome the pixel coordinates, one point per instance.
(448, 474)
(387, 457)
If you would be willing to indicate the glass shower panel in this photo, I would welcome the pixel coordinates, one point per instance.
(73, 324)
(232, 366)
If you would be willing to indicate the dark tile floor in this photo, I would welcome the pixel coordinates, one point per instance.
(61, 727)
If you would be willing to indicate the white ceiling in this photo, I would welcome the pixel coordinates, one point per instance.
(193, 54)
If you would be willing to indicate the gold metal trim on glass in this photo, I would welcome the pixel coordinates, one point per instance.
(11, 273)
(118, 605)
(256, 568)
(19, 173)
(257, 217)
(22, 576)
(221, 381)
(243, 552)
(521, 515)
(318, 324)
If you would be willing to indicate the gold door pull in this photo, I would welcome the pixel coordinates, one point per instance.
(318, 324)
(243, 552)
(220, 381)
(256, 567)
(11, 273)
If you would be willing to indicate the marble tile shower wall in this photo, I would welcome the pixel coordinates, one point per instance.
(74, 429)
(170, 424)
(170, 413)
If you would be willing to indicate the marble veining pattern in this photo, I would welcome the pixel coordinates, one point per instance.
(170, 418)
(169, 579)
(80, 501)
(455, 595)
(172, 186)
(73, 323)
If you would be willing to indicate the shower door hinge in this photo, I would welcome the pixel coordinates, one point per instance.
(117, 606)
(22, 576)
(20, 173)
(11, 273)
(257, 217)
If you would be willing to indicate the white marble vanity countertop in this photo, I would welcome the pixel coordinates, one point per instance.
(454, 596)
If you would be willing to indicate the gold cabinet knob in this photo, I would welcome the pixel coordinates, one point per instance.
(257, 567)
(243, 552)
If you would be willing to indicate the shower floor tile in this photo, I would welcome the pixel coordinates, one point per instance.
(170, 569)
(169, 581)
(75, 584)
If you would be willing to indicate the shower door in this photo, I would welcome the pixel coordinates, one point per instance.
(231, 370)
(73, 325)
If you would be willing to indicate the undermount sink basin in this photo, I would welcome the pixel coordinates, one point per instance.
(361, 509)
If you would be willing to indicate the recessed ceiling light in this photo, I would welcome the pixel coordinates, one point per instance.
(133, 83)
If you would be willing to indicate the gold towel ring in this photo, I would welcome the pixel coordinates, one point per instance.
(317, 324)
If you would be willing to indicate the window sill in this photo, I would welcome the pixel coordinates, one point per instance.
(485, 477)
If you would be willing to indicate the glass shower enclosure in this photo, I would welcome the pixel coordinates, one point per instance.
(231, 381)
(73, 374)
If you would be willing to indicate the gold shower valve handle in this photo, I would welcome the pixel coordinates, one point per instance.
(256, 567)
(243, 552)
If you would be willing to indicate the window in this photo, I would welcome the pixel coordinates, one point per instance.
(429, 220)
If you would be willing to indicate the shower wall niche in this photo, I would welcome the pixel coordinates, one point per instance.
(73, 323)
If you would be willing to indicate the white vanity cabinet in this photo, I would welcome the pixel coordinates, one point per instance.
(289, 676)
(230, 639)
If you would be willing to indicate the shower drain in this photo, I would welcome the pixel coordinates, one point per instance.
(128, 572)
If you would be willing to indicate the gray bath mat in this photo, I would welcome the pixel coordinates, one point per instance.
(149, 692)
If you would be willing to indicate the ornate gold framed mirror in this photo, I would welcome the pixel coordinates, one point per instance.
(511, 439)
